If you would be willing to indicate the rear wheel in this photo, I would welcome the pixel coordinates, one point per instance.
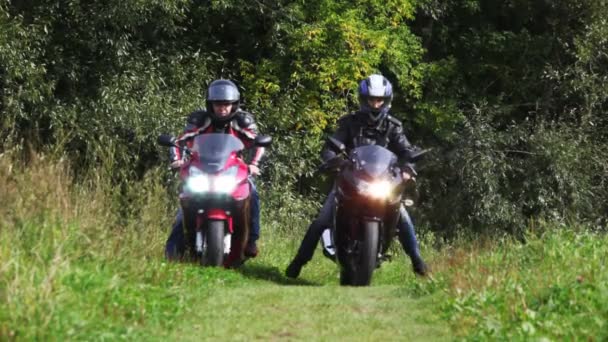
(213, 254)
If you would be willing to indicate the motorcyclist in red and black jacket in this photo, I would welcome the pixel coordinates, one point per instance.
(371, 125)
(221, 115)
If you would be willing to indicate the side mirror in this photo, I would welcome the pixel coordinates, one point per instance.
(335, 163)
(332, 165)
(336, 145)
(166, 140)
(263, 140)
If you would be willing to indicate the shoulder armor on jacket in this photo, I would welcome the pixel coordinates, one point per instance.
(394, 120)
(244, 119)
(348, 117)
(345, 117)
(197, 117)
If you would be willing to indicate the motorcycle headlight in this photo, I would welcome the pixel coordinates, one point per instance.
(199, 183)
(223, 183)
(378, 189)
(226, 181)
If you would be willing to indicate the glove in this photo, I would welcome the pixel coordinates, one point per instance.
(409, 168)
(254, 170)
(408, 173)
(178, 164)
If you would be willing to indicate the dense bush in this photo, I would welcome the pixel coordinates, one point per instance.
(510, 95)
(516, 109)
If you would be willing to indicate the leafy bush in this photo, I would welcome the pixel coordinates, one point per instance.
(510, 96)
(519, 127)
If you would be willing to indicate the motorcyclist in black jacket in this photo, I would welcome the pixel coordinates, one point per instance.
(371, 125)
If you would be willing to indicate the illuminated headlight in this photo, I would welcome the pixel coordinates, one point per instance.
(379, 189)
(226, 181)
(223, 183)
(198, 183)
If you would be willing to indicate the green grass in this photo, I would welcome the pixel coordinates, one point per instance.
(554, 287)
(121, 298)
(78, 264)
(263, 304)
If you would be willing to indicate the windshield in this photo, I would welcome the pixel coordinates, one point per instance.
(213, 149)
(374, 160)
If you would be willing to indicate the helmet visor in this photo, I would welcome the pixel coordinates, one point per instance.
(223, 93)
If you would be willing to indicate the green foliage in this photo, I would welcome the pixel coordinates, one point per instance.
(22, 77)
(97, 74)
(499, 178)
(551, 288)
(79, 262)
(324, 48)
(502, 91)
(514, 100)
(116, 74)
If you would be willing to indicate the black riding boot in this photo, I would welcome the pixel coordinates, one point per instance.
(306, 250)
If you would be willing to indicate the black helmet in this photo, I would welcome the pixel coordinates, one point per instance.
(222, 91)
(375, 86)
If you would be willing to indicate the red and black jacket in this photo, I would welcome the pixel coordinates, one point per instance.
(242, 126)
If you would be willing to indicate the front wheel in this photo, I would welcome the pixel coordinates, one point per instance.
(366, 260)
(213, 255)
(358, 259)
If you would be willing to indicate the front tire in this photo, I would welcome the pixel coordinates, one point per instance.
(366, 260)
(346, 276)
(213, 255)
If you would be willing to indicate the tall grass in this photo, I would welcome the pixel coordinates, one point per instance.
(553, 287)
(84, 260)
(63, 245)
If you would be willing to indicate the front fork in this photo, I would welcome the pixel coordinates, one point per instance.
(200, 241)
(354, 235)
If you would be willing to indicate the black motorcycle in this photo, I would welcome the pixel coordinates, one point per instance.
(369, 189)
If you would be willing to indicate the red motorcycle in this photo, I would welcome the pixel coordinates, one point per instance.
(215, 196)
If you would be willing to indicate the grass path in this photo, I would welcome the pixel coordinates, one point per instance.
(278, 312)
(264, 305)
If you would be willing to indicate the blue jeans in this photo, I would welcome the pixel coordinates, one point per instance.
(406, 234)
(175, 247)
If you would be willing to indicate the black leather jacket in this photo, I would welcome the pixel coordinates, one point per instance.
(354, 131)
